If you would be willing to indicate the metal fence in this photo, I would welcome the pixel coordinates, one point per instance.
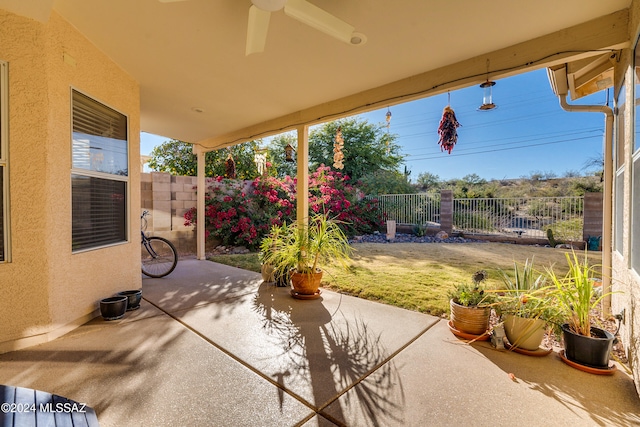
(527, 217)
(410, 208)
(523, 216)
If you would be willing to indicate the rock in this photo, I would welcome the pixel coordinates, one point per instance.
(410, 238)
(565, 246)
(442, 235)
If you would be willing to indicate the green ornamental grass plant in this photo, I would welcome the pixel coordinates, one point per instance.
(305, 247)
(576, 293)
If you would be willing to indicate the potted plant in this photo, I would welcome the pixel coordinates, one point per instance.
(281, 277)
(300, 249)
(470, 307)
(266, 247)
(526, 306)
(576, 294)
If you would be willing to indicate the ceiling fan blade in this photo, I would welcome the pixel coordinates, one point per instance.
(257, 30)
(317, 18)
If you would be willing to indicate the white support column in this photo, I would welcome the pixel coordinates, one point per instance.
(201, 191)
(302, 189)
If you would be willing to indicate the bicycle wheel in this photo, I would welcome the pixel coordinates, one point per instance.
(159, 257)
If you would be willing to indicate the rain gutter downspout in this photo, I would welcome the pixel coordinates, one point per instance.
(608, 192)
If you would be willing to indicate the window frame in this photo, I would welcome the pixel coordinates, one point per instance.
(4, 161)
(101, 175)
(634, 210)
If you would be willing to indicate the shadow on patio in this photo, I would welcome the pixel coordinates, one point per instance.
(212, 345)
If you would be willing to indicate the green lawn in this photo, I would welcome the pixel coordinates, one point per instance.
(418, 276)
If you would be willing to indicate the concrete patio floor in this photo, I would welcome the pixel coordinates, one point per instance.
(212, 345)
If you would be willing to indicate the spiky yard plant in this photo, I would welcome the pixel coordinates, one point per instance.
(526, 294)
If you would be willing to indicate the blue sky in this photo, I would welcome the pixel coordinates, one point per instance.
(527, 133)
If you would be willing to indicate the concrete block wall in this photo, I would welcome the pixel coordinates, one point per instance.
(593, 211)
(446, 210)
(168, 198)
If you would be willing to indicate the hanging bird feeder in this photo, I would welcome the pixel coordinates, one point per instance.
(288, 152)
(487, 97)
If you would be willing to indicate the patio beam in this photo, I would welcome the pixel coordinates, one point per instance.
(584, 40)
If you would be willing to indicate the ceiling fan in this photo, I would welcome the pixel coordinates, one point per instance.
(301, 10)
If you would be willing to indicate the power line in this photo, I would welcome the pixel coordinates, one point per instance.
(541, 137)
(504, 149)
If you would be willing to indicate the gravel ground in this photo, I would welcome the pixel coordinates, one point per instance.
(410, 238)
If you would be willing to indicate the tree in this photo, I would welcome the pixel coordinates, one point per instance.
(385, 182)
(428, 181)
(276, 155)
(470, 186)
(473, 179)
(177, 158)
(368, 148)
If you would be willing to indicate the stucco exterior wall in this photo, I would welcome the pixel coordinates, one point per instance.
(625, 281)
(47, 290)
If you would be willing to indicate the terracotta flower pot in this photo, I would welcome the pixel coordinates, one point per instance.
(471, 320)
(524, 333)
(306, 283)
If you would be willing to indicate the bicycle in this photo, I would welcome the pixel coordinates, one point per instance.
(159, 256)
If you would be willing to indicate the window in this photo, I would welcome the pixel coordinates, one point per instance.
(99, 178)
(635, 214)
(620, 134)
(635, 170)
(4, 171)
(618, 212)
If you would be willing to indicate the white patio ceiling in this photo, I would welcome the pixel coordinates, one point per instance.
(190, 55)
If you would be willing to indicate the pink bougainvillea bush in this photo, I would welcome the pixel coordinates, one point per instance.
(241, 213)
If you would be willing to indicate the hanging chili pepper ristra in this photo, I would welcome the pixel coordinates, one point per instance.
(447, 130)
(338, 155)
(230, 167)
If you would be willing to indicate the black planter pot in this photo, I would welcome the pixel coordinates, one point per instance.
(591, 351)
(133, 298)
(113, 308)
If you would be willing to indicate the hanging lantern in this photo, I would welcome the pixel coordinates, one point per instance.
(487, 97)
(288, 152)
(260, 159)
(338, 155)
